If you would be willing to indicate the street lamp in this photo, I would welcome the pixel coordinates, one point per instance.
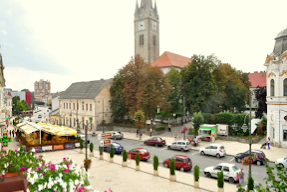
(245, 127)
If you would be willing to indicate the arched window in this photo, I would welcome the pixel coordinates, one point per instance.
(272, 87)
(285, 86)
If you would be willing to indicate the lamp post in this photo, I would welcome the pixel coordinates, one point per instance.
(244, 127)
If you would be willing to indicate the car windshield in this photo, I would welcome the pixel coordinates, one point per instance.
(116, 145)
(187, 143)
(187, 160)
(143, 150)
(222, 147)
(159, 139)
(234, 168)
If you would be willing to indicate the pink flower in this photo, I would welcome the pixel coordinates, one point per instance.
(15, 150)
(68, 165)
(64, 159)
(25, 148)
(53, 167)
(77, 187)
(43, 173)
(40, 157)
(81, 189)
(110, 190)
(2, 154)
(66, 170)
(3, 175)
(36, 150)
(43, 164)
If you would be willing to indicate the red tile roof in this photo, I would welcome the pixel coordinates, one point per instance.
(168, 59)
(257, 79)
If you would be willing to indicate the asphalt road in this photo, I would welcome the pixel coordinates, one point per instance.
(258, 172)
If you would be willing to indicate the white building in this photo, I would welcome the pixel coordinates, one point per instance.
(9, 105)
(276, 79)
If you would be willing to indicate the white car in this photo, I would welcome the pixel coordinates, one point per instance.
(182, 145)
(214, 150)
(229, 171)
(117, 135)
(282, 162)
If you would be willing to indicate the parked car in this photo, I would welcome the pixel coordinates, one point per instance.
(117, 135)
(156, 141)
(144, 154)
(180, 145)
(259, 157)
(84, 138)
(182, 162)
(229, 171)
(117, 147)
(214, 150)
(282, 162)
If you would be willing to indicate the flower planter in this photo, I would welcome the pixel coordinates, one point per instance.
(124, 164)
(172, 177)
(10, 174)
(91, 154)
(220, 189)
(155, 172)
(87, 163)
(196, 184)
(111, 160)
(137, 167)
(101, 157)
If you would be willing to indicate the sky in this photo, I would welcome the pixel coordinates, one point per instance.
(67, 41)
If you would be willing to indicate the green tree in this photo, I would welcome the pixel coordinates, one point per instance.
(174, 78)
(260, 95)
(197, 120)
(198, 84)
(15, 107)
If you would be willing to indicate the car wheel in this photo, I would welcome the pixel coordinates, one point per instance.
(207, 174)
(258, 163)
(169, 147)
(238, 160)
(182, 150)
(181, 169)
(156, 145)
(202, 153)
(217, 155)
(281, 165)
(231, 180)
(166, 165)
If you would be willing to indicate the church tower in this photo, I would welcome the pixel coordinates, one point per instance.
(146, 29)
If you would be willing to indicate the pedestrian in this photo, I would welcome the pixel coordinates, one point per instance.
(195, 141)
(169, 127)
(241, 176)
(268, 142)
(150, 132)
(137, 132)
(13, 133)
(175, 135)
(10, 133)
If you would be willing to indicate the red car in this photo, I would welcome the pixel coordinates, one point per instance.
(182, 162)
(156, 141)
(144, 154)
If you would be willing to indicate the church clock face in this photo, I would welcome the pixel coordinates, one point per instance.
(141, 25)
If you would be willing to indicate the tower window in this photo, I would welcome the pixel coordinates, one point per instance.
(272, 87)
(141, 39)
(285, 86)
(154, 40)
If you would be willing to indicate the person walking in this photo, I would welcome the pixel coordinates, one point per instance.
(150, 132)
(268, 142)
(175, 135)
(241, 176)
(13, 132)
(169, 127)
(10, 133)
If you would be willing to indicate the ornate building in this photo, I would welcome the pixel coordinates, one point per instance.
(276, 79)
(146, 30)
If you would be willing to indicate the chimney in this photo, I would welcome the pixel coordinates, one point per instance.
(255, 71)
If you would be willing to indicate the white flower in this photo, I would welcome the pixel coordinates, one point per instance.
(40, 187)
(33, 150)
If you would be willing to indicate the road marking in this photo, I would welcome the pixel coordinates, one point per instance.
(194, 153)
(232, 159)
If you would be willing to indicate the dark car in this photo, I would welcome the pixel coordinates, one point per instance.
(182, 162)
(259, 157)
(144, 154)
(156, 141)
(117, 147)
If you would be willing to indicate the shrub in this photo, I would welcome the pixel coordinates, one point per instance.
(155, 162)
(137, 159)
(91, 147)
(220, 180)
(81, 144)
(112, 152)
(250, 185)
(125, 155)
(196, 173)
(172, 167)
(160, 128)
(101, 150)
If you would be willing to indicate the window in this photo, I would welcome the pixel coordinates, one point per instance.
(284, 134)
(218, 168)
(83, 107)
(141, 39)
(272, 87)
(273, 133)
(234, 168)
(64, 105)
(77, 106)
(91, 107)
(179, 159)
(87, 107)
(73, 105)
(154, 40)
(226, 169)
(285, 87)
(69, 105)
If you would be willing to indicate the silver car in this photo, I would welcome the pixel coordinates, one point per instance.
(213, 150)
(180, 145)
(117, 135)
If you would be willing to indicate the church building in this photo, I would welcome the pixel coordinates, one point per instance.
(276, 99)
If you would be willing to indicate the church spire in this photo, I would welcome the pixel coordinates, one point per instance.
(146, 4)
(137, 6)
(155, 9)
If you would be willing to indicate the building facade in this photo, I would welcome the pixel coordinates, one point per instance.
(86, 103)
(26, 96)
(41, 88)
(146, 31)
(3, 110)
(256, 79)
(9, 105)
(276, 88)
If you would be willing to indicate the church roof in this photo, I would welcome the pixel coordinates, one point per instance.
(168, 59)
(257, 79)
(85, 90)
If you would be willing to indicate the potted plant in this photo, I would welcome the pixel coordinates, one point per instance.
(101, 152)
(91, 150)
(137, 162)
(155, 165)
(250, 184)
(220, 181)
(196, 176)
(81, 146)
(172, 176)
(112, 153)
(87, 163)
(125, 156)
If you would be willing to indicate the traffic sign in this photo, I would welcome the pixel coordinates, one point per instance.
(107, 142)
(105, 135)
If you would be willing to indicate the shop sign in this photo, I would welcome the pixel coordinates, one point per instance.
(58, 147)
(47, 148)
(69, 146)
(222, 129)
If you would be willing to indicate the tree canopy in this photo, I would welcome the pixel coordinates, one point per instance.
(260, 95)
